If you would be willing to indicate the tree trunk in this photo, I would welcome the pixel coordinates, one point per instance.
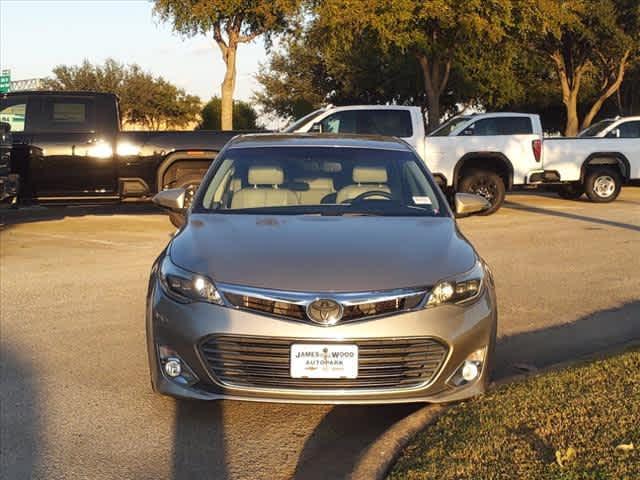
(435, 82)
(571, 107)
(228, 87)
(570, 84)
(607, 91)
(433, 112)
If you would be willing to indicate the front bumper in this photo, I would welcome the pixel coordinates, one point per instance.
(183, 327)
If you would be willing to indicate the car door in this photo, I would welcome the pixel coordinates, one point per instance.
(511, 136)
(70, 158)
(627, 135)
(14, 110)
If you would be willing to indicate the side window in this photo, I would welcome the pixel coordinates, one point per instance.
(14, 113)
(500, 126)
(629, 129)
(395, 123)
(340, 122)
(67, 115)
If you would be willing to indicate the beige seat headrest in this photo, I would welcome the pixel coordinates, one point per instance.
(369, 174)
(321, 183)
(266, 175)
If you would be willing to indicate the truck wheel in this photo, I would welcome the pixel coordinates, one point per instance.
(571, 192)
(486, 184)
(603, 184)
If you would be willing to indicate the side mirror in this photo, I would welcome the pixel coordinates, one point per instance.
(173, 200)
(316, 128)
(468, 203)
(5, 127)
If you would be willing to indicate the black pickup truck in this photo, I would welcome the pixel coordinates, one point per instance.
(67, 147)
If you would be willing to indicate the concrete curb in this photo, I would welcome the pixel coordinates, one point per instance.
(377, 460)
(382, 454)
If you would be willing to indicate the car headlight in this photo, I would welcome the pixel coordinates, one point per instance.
(460, 289)
(185, 286)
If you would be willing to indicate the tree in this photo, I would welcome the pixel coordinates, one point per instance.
(229, 23)
(588, 43)
(439, 34)
(144, 99)
(244, 115)
(306, 73)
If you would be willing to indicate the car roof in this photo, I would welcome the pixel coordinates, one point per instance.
(501, 114)
(369, 107)
(262, 140)
(58, 93)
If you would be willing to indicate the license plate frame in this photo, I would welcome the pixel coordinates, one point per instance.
(323, 360)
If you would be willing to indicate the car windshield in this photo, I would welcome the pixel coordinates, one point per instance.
(595, 129)
(304, 180)
(446, 129)
(303, 121)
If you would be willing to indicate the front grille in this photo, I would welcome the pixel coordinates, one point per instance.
(271, 307)
(367, 305)
(384, 307)
(263, 362)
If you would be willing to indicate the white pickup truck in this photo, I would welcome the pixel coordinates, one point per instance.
(597, 163)
(486, 153)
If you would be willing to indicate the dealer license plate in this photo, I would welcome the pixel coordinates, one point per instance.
(324, 361)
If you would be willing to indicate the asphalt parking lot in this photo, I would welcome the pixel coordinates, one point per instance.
(75, 395)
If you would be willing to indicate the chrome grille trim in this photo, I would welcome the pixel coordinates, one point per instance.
(292, 305)
(263, 363)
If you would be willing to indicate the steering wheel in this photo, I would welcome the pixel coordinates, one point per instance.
(370, 193)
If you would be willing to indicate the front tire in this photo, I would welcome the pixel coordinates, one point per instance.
(603, 184)
(487, 184)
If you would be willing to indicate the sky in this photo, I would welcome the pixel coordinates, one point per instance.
(37, 35)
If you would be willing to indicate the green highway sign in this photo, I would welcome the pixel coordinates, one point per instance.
(5, 81)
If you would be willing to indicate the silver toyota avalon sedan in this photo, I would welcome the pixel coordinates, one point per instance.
(319, 269)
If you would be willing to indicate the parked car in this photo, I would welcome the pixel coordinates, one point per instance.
(487, 154)
(322, 269)
(8, 180)
(602, 159)
(68, 147)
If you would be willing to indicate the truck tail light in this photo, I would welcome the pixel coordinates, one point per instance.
(536, 145)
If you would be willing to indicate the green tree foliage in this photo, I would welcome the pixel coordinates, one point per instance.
(144, 99)
(229, 23)
(441, 35)
(587, 45)
(244, 115)
(307, 73)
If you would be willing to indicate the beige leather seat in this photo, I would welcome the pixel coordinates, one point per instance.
(366, 178)
(318, 189)
(264, 191)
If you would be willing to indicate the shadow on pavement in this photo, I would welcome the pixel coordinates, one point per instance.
(572, 216)
(332, 450)
(10, 216)
(343, 436)
(591, 334)
(198, 446)
(20, 431)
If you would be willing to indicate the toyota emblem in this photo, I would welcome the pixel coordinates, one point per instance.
(325, 311)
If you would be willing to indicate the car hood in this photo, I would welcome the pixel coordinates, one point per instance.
(322, 253)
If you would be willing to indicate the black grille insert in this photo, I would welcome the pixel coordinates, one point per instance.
(297, 311)
(263, 362)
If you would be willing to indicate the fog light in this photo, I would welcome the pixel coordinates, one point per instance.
(470, 371)
(173, 367)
